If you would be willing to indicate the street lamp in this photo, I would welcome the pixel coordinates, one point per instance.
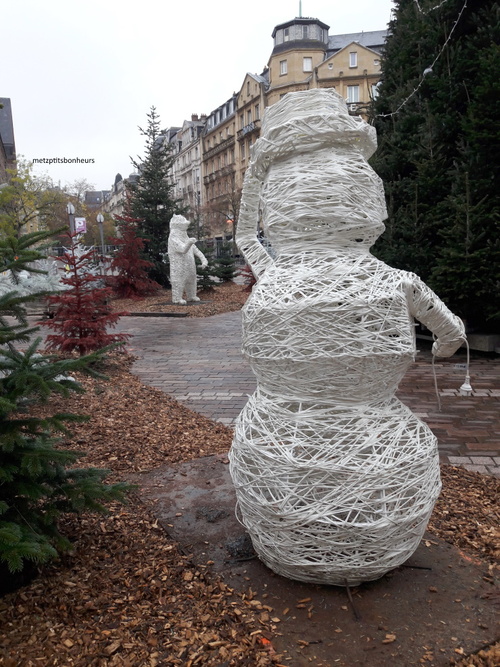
(100, 220)
(71, 215)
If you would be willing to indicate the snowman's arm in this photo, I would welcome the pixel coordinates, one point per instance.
(246, 233)
(428, 308)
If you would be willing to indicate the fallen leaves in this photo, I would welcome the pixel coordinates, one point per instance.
(225, 298)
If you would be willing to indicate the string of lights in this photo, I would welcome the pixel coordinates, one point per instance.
(428, 11)
(427, 70)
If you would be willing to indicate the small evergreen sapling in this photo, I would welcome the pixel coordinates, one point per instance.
(81, 312)
(225, 263)
(36, 486)
(204, 276)
(130, 279)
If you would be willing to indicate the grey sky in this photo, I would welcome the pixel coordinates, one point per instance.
(82, 75)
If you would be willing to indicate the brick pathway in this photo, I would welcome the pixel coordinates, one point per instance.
(198, 361)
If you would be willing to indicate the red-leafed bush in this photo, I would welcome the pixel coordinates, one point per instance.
(248, 278)
(81, 313)
(130, 271)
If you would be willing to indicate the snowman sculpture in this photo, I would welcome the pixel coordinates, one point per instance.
(335, 478)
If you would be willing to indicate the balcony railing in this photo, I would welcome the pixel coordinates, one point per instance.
(248, 129)
(224, 144)
(220, 173)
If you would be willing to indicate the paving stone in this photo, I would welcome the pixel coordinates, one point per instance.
(482, 460)
(459, 460)
(476, 468)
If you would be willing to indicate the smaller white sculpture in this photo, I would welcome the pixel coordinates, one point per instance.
(181, 252)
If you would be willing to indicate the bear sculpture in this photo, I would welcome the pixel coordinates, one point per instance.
(182, 252)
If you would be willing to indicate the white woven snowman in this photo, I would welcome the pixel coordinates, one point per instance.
(335, 478)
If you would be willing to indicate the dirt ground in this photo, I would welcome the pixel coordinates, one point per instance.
(129, 595)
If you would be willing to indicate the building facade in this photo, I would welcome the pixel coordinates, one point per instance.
(220, 191)
(250, 104)
(115, 202)
(7, 142)
(187, 167)
(306, 56)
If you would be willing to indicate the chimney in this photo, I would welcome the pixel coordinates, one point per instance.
(194, 116)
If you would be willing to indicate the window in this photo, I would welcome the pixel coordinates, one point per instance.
(249, 116)
(248, 88)
(353, 59)
(286, 34)
(242, 121)
(352, 94)
(283, 67)
(375, 87)
(243, 151)
(304, 32)
(307, 64)
(257, 112)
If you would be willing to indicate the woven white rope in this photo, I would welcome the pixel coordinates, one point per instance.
(335, 478)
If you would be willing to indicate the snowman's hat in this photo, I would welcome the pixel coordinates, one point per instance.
(309, 120)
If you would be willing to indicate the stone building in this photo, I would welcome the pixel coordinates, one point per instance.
(186, 170)
(114, 203)
(220, 190)
(7, 142)
(306, 56)
(250, 104)
(212, 152)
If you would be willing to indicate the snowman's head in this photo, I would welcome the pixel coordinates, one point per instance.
(318, 187)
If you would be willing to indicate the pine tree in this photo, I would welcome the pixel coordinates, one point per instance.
(204, 277)
(225, 265)
(152, 198)
(129, 271)
(437, 151)
(36, 484)
(81, 313)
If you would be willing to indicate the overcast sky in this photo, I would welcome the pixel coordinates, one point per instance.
(82, 74)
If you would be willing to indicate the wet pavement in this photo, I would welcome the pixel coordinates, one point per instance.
(198, 362)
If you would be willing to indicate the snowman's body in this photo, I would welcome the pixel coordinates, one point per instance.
(335, 477)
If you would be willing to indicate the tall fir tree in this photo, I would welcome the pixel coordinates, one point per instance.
(38, 481)
(436, 116)
(81, 313)
(152, 197)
